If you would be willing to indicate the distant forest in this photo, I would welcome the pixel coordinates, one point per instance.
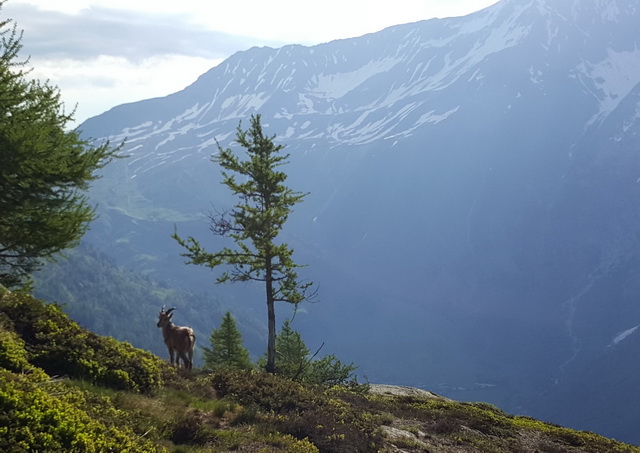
(111, 300)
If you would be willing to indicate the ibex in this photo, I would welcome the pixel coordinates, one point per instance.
(180, 340)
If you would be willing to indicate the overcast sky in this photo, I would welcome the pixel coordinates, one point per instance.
(102, 53)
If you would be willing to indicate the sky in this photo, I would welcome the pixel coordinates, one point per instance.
(103, 53)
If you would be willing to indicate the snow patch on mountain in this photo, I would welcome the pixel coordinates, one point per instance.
(611, 11)
(434, 118)
(500, 36)
(237, 106)
(610, 80)
(334, 86)
(192, 113)
(623, 335)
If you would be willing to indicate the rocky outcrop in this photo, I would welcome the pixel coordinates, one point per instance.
(400, 390)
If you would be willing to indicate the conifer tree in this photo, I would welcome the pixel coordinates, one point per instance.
(254, 225)
(293, 360)
(227, 349)
(292, 354)
(44, 168)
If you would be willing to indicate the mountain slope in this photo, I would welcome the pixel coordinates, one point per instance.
(473, 193)
(117, 398)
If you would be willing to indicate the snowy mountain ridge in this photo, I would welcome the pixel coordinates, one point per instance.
(329, 92)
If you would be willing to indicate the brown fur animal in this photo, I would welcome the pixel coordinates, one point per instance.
(180, 341)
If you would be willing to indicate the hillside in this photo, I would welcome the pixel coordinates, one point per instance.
(63, 388)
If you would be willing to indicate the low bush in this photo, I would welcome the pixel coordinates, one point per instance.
(13, 356)
(305, 412)
(49, 417)
(60, 347)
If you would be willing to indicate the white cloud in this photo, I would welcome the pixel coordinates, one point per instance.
(290, 21)
(301, 22)
(94, 86)
(102, 53)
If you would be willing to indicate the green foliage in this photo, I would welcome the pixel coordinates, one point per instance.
(331, 424)
(61, 347)
(292, 354)
(293, 445)
(293, 361)
(270, 393)
(45, 169)
(329, 370)
(226, 349)
(254, 225)
(13, 355)
(54, 418)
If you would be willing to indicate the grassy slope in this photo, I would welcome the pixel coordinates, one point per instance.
(109, 396)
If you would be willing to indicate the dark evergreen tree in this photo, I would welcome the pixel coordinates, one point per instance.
(254, 224)
(227, 349)
(44, 168)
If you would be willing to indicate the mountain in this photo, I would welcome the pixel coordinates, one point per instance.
(472, 217)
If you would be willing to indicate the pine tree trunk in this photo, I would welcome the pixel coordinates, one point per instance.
(271, 316)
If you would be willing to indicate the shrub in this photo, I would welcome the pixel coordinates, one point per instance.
(13, 356)
(61, 347)
(292, 445)
(51, 418)
(330, 371)
(294, 361)
(268, 392)
(305, 412)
